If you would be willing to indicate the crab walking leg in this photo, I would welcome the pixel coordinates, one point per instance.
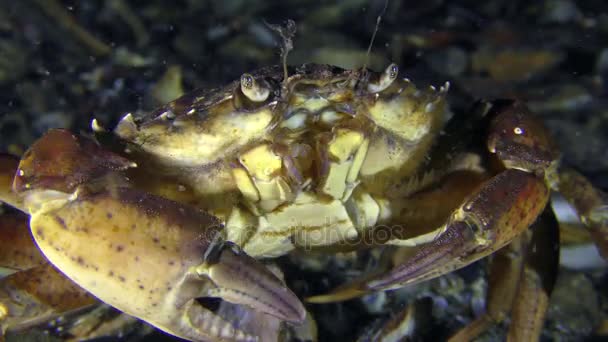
(505, 272)
(36, 295)
(538, 278)
(521, 280)
(102, 322)
(17, 248)
(8, 167)
(590, 206)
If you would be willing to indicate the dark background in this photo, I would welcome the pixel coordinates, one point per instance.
(64, 62)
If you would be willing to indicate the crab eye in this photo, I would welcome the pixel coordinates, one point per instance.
(393, 71)
(247, 81)
(385, 80)
(253, 90)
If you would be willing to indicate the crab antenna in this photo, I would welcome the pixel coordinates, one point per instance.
(371, 42)
(286, 32)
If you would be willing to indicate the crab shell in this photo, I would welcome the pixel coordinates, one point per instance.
(325, 141)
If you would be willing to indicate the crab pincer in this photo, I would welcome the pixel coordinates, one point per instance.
(502, 209)
(153, 258)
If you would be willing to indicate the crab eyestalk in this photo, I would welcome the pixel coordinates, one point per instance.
(384, 80)
(254, 90)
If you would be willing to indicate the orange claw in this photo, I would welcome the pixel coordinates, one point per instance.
(502, 209)
(519, 140)
(499, 211)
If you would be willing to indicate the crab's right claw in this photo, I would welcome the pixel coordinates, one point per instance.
(502, 209)
(156, 259)
(244, 302)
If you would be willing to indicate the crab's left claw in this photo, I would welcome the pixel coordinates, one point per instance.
(503, 208)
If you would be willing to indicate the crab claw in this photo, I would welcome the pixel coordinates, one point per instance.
(502, 209)
(499, 211)
(150, 257)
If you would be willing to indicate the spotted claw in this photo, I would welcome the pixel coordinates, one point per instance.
(150, 257)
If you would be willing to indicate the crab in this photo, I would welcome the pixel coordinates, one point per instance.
(174, 218)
